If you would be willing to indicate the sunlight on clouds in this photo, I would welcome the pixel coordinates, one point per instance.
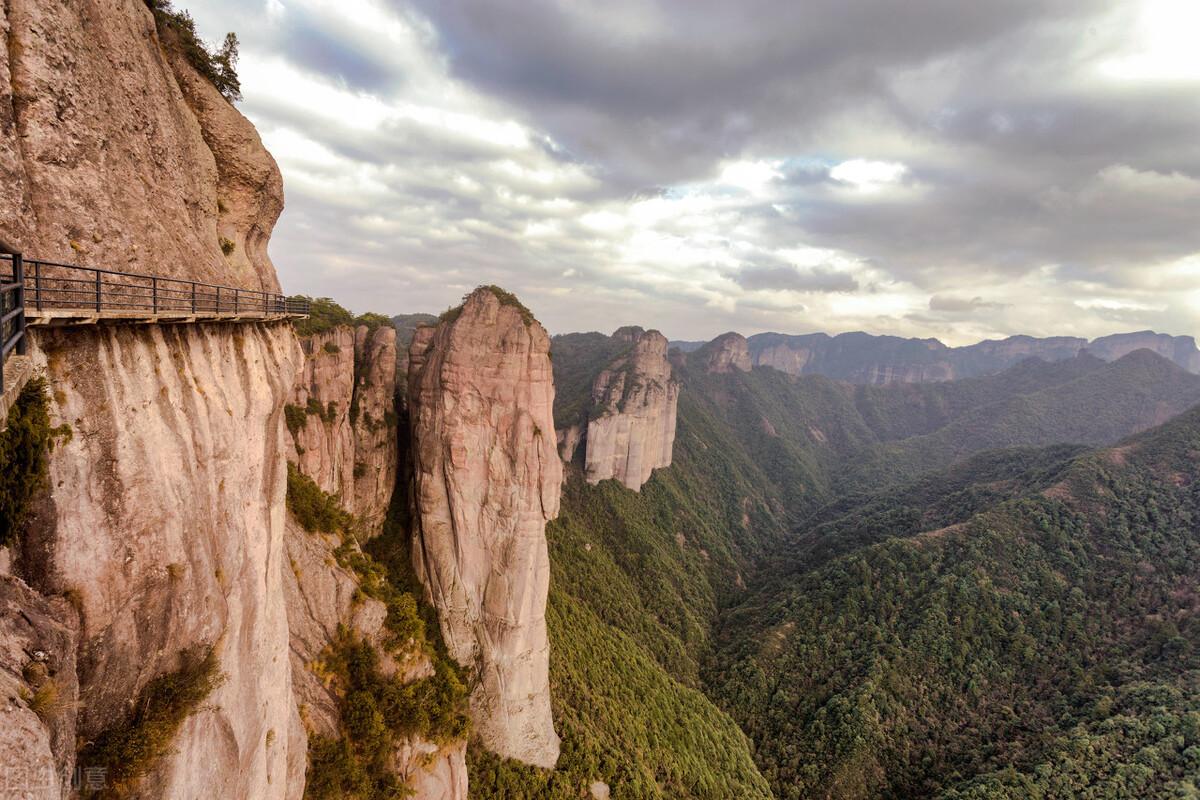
(868, 176)
(751, 176)
(1166, 49)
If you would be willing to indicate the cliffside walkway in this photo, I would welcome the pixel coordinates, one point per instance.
(46, 293)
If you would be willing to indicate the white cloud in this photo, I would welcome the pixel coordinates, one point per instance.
(868, 176)
(1165, 46)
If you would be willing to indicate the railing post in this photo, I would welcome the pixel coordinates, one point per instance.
(236, 294)
(98, 290)
(154, 293)
(19, 279)
(37, 284)
(193, 297)
(218, 301)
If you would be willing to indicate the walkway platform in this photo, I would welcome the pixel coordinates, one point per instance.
(58, 317)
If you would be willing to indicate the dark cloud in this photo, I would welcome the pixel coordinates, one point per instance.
(784, 276)
(658, 88)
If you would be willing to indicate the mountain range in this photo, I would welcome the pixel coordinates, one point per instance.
(865, 358)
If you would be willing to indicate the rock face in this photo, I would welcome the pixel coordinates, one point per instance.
(631, 430)
(114, 153)
(347, 440)
(487, 479)
(726, 353)
(38, 637)
(1180, 349)
(166, 524)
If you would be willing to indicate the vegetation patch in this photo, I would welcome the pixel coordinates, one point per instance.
(324, 315)
(315, 510)
(130, 749)
(24, 444)
(327, 412)
(372, 321)
(296, 418)
(219, 67)
(505, 297)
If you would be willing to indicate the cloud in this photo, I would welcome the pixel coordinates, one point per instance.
(789, 278)
(959, 305)
(693, 168)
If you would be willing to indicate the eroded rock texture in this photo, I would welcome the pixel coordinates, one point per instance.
(39, 690)
(115, 153)
(487, 479)
(347, 441)
(165, 523)
(631, 429)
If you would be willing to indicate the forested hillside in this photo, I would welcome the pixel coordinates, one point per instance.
(1040, 645)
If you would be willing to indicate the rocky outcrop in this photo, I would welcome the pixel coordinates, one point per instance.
(322, 599)
(726, 353)
(39, 690)
(487, 479)
(165, 523)
(1180, 349)
(343, 419)
(631, 428)
(373, 415)
(114, 153)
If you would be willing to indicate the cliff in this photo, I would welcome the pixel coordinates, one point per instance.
(726, 353)
(343, 419)
(631, 428)
(115, 153)
(163, 612)
(1180, 349)
(165, 527)
(487, 479)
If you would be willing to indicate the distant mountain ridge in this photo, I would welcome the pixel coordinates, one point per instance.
(869, 359)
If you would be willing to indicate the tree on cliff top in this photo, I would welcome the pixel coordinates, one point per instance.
(218, 67)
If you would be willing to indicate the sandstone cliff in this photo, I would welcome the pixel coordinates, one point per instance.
(165, 524)
(114, 153)
(1180, 349)
(343, 418)
(726, 353)
(164, 531)
(631, 428)
(487, 479)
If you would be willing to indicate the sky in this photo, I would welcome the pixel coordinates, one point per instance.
(959, 170)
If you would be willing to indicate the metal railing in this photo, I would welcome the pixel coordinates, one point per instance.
(50, 286)
(34, 286)
(12, 308)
